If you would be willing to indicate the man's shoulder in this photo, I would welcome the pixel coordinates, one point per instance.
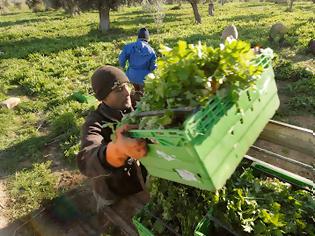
(129, 45)
(148, 47)
(93, 118)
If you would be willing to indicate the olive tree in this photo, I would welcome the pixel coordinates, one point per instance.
(290, 7)
(156, 9)
(34, 5)
(74, 7)
(194, 5)
(211, 8)
(104, 8)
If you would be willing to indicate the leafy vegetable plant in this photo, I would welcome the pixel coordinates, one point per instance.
(248, 204)
(188, 75)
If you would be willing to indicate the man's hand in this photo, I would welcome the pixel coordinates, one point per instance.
(132, 147)
(118, 151)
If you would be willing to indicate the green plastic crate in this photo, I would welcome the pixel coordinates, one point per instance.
(158, 224)
(284, 175)
(206, 227)
(142, 230)
(214, 140)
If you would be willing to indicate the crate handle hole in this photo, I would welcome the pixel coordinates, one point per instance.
(248, 96)
(151, 141)
(204, 118)
(212, 101)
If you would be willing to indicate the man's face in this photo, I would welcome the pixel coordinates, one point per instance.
(119, 97)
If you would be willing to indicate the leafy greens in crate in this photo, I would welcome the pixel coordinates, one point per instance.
(188, 75)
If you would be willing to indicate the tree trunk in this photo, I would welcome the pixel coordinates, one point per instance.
(48, 5)
(104, 18)
(222, 2)
(291, 5)
(196, 12)
(71, 7)
(6, 3)
(211, 8)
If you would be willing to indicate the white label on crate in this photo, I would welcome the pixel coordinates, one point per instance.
(187, 175)
(165, 156)
(264, 87)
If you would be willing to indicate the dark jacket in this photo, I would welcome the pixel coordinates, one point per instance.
(109, 182)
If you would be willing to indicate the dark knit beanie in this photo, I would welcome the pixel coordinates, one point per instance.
(105, 79)
(143, 34)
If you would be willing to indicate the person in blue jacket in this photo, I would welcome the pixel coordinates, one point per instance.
(141, 58)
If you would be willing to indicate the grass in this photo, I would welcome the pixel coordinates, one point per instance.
(29, 188)
(45, 57)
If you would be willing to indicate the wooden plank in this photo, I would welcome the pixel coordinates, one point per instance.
(121, 213)
(119, 221)
(290, 136)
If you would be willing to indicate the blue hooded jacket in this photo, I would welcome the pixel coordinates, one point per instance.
(141, 58)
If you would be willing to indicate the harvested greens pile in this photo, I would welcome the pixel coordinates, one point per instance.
(188, 75)
(248, 205)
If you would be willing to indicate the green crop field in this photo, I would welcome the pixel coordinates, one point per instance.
(47, 56)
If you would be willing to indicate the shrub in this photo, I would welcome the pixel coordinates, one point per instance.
(28, 189)
(302, 94)
(286, 70)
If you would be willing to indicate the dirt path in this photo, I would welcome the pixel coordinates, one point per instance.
(7, 228)
(3, 205)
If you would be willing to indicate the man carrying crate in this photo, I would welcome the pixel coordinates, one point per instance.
(112, 164)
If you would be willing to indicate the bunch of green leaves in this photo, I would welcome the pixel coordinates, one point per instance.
(174, 208)
(237, 67)
(29, 188)
(264, 206)
(185, 73)
(248, 203)
(189, 74)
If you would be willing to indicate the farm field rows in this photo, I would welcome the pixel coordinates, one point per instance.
(47, 56)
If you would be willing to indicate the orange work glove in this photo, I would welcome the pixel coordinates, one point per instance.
(118, 151)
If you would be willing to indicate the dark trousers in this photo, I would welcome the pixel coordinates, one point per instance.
(138, 93)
